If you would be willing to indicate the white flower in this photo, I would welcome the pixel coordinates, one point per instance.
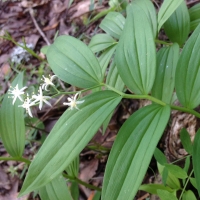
(16, 92)
(47, 81)
(40, 98)
(27, 104)
(72, 102)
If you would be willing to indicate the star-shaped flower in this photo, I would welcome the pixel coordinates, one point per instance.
(27, 104)
(48, 81)
(73, 102)
(40, 98)
(16, 92)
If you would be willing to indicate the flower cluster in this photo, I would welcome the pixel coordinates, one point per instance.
(39, 99)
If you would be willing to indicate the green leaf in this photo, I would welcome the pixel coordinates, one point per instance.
(176, 171)
(196, 159)
(12, 127)
(100, 42)
(113, 24)
(44, 49)
(113, 78)
(170, 179)
(187, 164)
(177, 27)
(70, 135)
(160, 157)
(135, 55)
(167, 58)
(186, 141)
(166, 10)
(74, 190)
(188, 195)
(132, 151)
(193, 182)
(73, 62)
(194, 16)
(165, 195)
(148, 9)
(55, 190)
(187, 78)
(73, 168)
(152, 188)
(105, 58)
(97, 196)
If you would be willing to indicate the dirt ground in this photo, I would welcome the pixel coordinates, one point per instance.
(37, 23)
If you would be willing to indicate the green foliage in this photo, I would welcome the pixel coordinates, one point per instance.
(177, 27)
(194, 16)
(12, 126)
(120, 63)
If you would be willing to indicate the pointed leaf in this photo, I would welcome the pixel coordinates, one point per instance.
(187, 78)
(55, 190)
(73, 62)
(196, 159)
(167, 58)
(189, 195)
(105, 58)
(193, 182)
(152, 188)
(176, 171)
(194, 16)
(177, 27)
(186, 141)
(70, 135)
(135, 55)
(100, 42)
(12, 127)
(166, 10)
(73, 168)
(132, 151)
(165, 195)
(113, 24)
(160, 157)
(148, 9)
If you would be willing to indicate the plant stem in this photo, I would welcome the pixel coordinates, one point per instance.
(187, 110)
(188, 178)
(20, 159)
(163, 42)
(81, 182)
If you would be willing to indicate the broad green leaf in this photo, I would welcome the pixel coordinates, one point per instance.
(186, 141)
(113, 24)
(74, 189)
(105, 58)
(97, 196)
(194, 16)
(165, 195)
(193, 182)
(148, 9)
(160, 157)
(152, 188)
(12, 127)
(171, 180)
(177, 27)
(176, 171)
(113, 79)
(187, 78)
(188, 195)
(167, 58)
(73, 168)
(100, 42)
(132, 151)
(73, 62)
(166, 10)
(196, 159)
(70, 135)
(135, 55)
(55, 190)
(44, 49)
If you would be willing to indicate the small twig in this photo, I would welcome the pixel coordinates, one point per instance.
(37, 26)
